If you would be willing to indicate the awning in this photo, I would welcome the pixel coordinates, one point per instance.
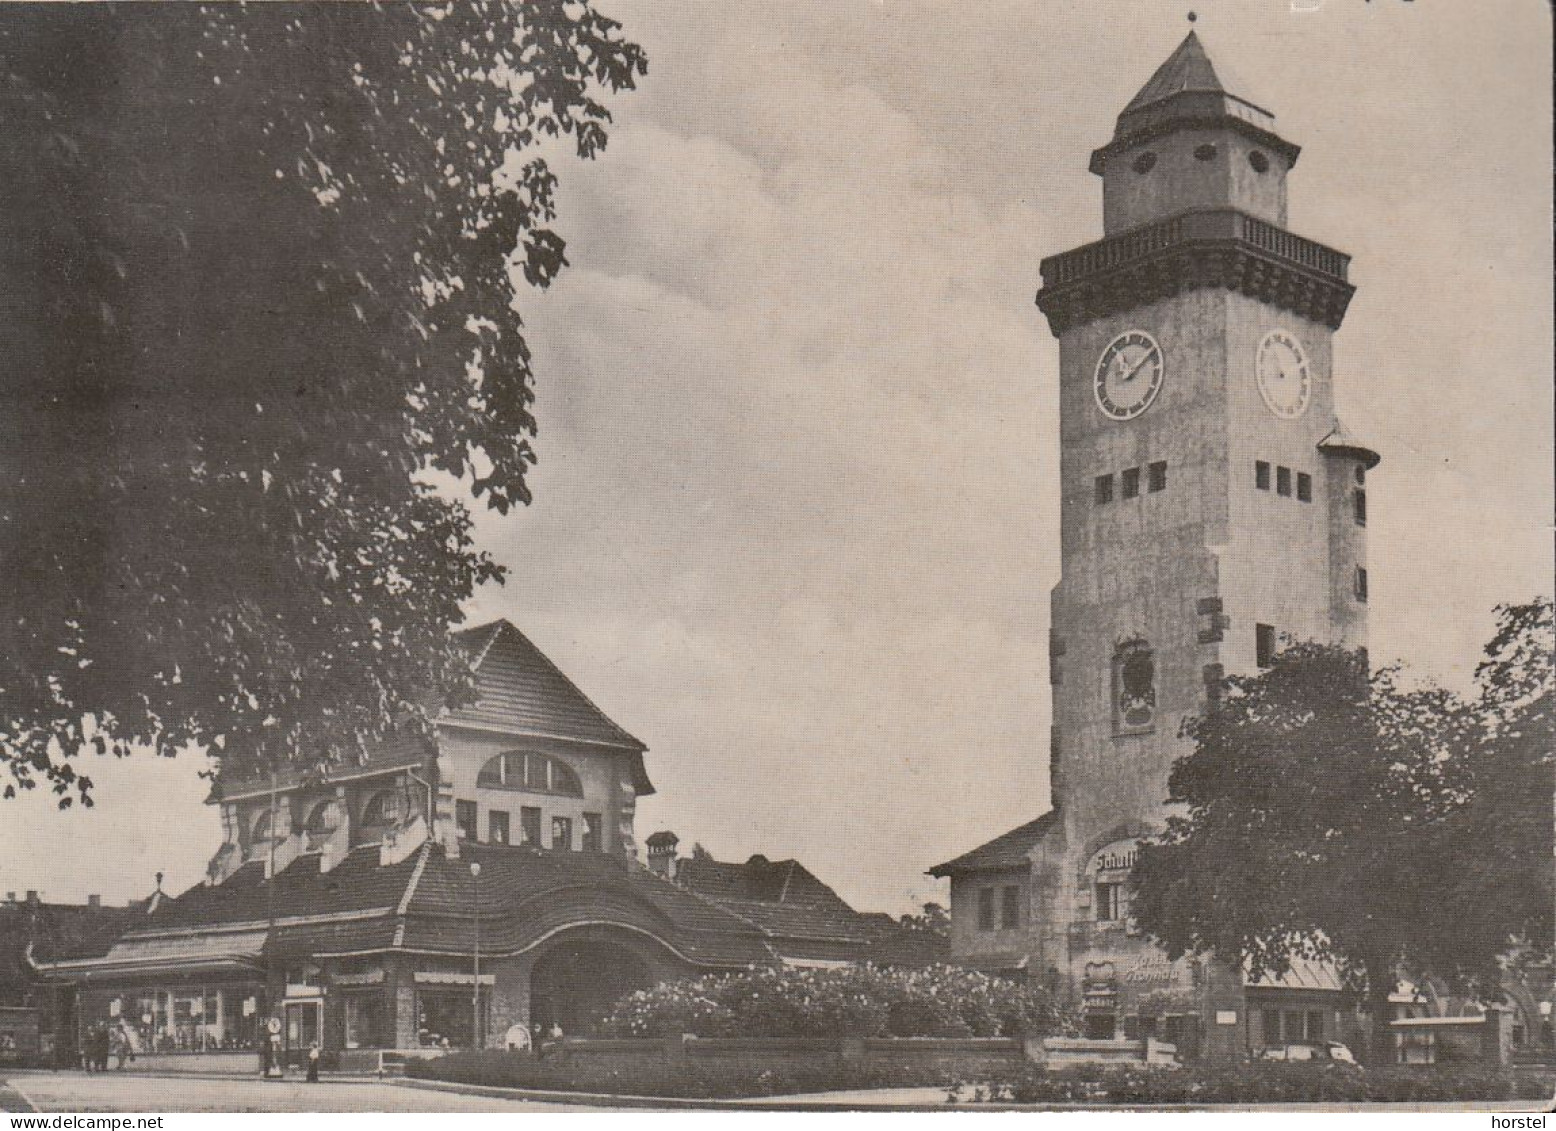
(1302, 974)
(226, 952)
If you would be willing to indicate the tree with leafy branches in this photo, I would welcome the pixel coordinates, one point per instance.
(260, 285)
(1340, 814)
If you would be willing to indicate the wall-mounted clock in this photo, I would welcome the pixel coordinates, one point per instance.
(1285, 382)
(1129, 375)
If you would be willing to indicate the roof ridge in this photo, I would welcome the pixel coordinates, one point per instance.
(415, 879)
(700, 898)
(496, 627)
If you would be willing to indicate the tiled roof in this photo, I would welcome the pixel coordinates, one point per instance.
(54, 931)
(357, 884)
(774, 881)
(801, 916)
(796, 921)
(519, 689)
(1008, 850)
(526, 894)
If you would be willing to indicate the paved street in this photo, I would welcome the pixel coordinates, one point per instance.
(79, 1092)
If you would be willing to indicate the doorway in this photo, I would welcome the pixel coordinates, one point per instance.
(303, 1028)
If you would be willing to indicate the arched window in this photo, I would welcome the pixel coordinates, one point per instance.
(261, 832)
(382, 808)
(1107, 877)
(323, 819)
(1134, 686)
(531, 772)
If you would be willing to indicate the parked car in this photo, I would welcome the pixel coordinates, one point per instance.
(1332, 1051)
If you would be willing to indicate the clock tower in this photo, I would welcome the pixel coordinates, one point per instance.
(1211, 507)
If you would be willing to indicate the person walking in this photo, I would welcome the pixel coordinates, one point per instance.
(313, 1063)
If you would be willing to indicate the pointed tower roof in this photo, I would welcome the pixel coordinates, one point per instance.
(1187, 68)
(1186, 92)
(1340, 442)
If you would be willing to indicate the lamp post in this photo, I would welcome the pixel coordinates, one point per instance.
(475, 998)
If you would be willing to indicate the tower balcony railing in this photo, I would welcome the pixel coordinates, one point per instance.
(1208, 225)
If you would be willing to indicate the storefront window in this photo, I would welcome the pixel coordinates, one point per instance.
(190, 1020)
(364, 1021)
(443, 1017)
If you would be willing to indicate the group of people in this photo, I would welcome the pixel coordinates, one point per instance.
(101, 1043)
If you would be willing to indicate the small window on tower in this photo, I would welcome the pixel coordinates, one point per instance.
(1010, 908)
(1361, 507)
(1261, 475)
(1283, 481)
(1156, 475)
(1144, 163)
(1361, 475)
(1104, 489)
(1304, 487)
(1361, 585)
(1205, 153)
(1134, 682)
(1264, 644)
(1108, 903)
(1130, 483)
(1260, 163)
(985, 909)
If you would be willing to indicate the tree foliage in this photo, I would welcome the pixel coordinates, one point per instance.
(1339, 814)
(934, 919)
(260, 280)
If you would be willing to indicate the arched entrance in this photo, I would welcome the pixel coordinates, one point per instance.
(576, 981)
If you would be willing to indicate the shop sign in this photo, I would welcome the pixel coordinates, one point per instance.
(115, 1007)
(450, 978)
(1149, 970)
(368, 978)
(1226, 1017)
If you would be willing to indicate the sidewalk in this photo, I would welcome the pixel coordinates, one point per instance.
(12, 1101)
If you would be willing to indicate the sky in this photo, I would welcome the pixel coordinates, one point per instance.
(796, 511)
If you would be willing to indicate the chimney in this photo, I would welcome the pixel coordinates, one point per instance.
(32, 897)
(661, 853)
(10, 897)
(94, 901)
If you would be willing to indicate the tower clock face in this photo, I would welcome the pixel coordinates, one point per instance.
(1129, 375)
(1285, 382)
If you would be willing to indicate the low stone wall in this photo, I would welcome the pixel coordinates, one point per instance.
(196, 1063)
(1065, 1052)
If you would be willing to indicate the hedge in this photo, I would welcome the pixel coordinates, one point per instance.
(690, 1080)
(852, 1001)
(1254, 1082)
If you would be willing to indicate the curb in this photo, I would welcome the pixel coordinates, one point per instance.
(785, 1104)
(131, 1074)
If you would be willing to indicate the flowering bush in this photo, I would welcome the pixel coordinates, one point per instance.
(851, 1001)
(1256, 1082)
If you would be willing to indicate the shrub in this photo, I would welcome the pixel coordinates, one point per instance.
(1250, 1083)
(852, 1001)
(691, 1080)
